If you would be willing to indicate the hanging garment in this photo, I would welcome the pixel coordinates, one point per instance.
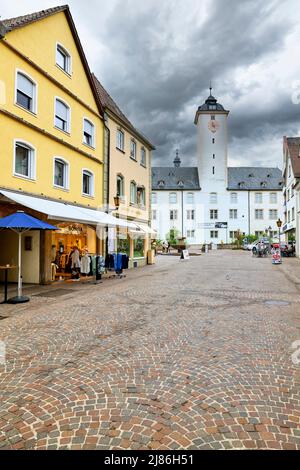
(85, 264)
(119, 262)
(75, 259)
(125, 261)
(110, 261)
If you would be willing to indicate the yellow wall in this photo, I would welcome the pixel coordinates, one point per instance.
(121, 163)
(46, 150)
(38, 42)
(30, 259)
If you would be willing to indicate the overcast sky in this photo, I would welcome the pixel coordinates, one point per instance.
(156, 59)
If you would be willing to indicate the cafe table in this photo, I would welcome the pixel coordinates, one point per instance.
(6, 269)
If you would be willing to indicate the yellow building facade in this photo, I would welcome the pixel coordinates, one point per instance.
(127, 176)
(51, 132)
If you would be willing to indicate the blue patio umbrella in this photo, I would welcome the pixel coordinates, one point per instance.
(20, 222)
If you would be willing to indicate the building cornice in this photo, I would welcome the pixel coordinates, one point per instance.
(49, 135)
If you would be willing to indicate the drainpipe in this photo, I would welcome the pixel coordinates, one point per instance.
(249, 214)
(107, 169)
(182, 234)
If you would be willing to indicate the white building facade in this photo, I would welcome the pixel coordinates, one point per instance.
(210, 203)
(291, 190)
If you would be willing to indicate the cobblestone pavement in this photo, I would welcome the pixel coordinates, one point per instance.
(182, 355)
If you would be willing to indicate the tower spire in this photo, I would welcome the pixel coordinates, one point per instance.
(177, 161)
(210, 87)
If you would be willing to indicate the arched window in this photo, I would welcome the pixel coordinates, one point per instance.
(173, 198)
(63, 59)
(26, 92)
(24, 160)
(87, 183)
(88, 133)
(120, 140)
(213, 198)
(154, 198)
(133, 149)
(190, 198)
(61, 173)
(133, 195)
(233, 198)
(62, 115)
(143, 157)
(120, 186)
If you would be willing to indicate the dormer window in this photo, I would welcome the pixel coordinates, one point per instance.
(63, 59)
(263, 184)
(251, 175)
(242, 184)
(161, 184)
(180, 184)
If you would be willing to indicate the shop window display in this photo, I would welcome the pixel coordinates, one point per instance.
(139, 248)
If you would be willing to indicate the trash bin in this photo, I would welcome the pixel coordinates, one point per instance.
(151, 257)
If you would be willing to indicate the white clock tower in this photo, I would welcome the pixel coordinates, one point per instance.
(211, 122)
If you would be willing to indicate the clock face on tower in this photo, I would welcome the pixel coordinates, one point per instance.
(213, 125)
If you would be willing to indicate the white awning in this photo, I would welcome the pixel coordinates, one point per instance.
(66, 212)
(146, 229)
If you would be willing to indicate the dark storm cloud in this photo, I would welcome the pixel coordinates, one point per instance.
(154, 79)
(156, 58)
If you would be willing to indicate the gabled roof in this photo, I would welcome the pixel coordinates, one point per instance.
(254, 178)
(8, 25)
(293, 145)
(20, 21)
(175, 178)
(108, 102)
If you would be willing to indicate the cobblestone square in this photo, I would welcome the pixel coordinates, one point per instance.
(182, 355)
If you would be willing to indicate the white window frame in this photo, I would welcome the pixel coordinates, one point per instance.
(276, 198)
(192, 196)
(93, 133)
(35, 94)
(133, 184)
(190, 233)
(213, 213)
(91, 174)
(174, 213)
(233, 198)
(133, 155)
(69, 59)
(153, 198)
(261, 198)
(190, 214)
(121, 177)
(117, 138)
(213, 198)
(32, 165)
(271, 213)
(233, 214)
(68, 131)
(66, 176)
(259, 211)
(143, 151)
(170, 197)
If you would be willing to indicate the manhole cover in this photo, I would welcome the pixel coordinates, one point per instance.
(55, 293)
(276, 303)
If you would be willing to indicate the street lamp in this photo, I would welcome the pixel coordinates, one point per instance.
(117, 202)
(279, 225)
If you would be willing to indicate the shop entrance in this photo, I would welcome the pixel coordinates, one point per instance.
(73, 248)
